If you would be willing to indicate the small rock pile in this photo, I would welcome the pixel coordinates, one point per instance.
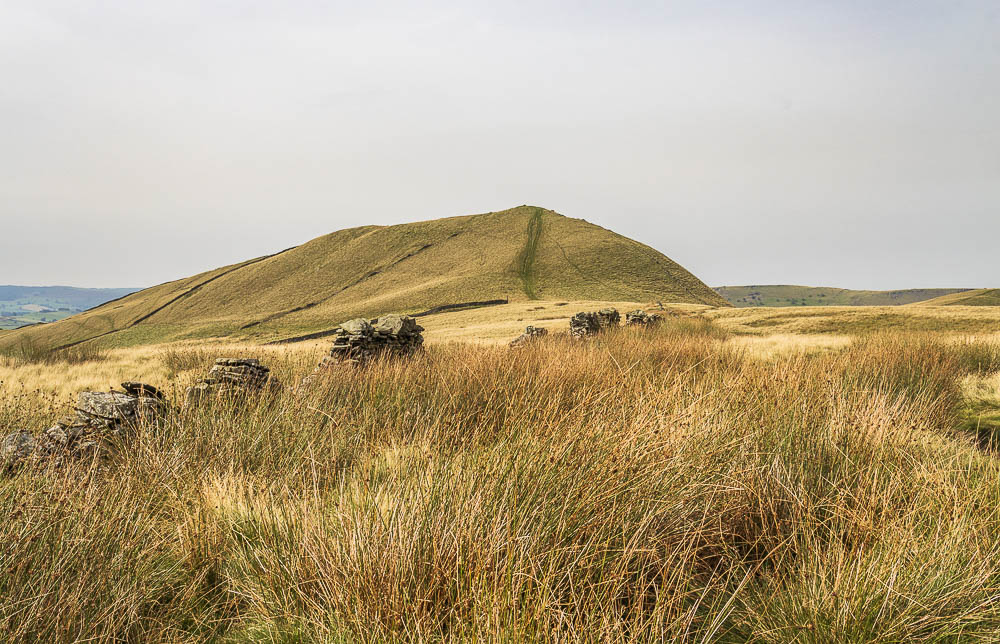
(361, 340)
(231, 377)
(530, 335)
(100, 415)
(641, 318)
(585, 324)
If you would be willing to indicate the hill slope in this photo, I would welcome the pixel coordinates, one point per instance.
(521, 254)
(789, 295)
(978, 297)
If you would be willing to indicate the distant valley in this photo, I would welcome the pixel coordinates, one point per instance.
(26, 305)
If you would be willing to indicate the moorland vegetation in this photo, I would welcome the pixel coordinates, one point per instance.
(677, 483)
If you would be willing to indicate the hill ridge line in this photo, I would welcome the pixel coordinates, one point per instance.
(174, 300)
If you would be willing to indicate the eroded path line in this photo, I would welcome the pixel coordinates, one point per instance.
(526, 258)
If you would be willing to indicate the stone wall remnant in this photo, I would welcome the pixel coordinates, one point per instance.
(530, 334)
(641, 318)
(99, 416)
(231, 377)
(361, 340)
(358, 341)
(584, 324)
(608, 319)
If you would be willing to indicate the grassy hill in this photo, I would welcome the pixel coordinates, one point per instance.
(524, 253)
(978, 297)
(23, 305)
(790, 295)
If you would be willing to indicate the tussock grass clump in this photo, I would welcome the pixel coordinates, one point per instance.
(179, 359)
(648, 485)
(28, 352)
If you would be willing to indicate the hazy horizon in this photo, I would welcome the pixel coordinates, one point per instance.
(810, 143)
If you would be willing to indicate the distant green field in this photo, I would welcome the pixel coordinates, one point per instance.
(24, 319)
(25, 305)
(791, 295)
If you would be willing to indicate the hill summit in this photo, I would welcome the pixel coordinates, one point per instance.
(521, 254)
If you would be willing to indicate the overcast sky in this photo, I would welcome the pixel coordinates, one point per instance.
(837, 142)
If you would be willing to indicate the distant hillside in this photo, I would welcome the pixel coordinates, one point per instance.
(978, 297)
(789, 295)
(23, 305)
(524, 253)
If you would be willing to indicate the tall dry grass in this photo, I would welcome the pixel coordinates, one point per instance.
(647, 486)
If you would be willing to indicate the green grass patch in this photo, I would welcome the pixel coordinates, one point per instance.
(526, 258)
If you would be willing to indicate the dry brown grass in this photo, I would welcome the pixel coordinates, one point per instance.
(665, 485)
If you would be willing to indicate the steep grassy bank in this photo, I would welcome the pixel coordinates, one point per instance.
(648, 486)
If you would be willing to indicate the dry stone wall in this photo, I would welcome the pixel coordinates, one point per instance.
(231, 377)
(608, 319)
(585, 324)
(530, 334)
(641, 318)
(359, 341)
(99, 416)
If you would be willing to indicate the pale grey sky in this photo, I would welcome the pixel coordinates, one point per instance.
(840, 142)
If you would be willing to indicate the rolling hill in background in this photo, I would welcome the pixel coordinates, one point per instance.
(24, 305)
(789, 295)
(977, 297)
(524, 253)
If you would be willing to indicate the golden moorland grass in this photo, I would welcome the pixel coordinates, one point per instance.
(855, 320)
(676, 484)
(761, 332)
